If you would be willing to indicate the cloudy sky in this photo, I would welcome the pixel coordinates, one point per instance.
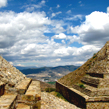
(52, 32)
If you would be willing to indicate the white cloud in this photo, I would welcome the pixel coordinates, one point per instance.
(63, 41)
(22, 40)
(20, 65)
(58, 27)
(69, 12)
(75, 17)
(50, 9)
(54, 14)
(32, 7)
(58, 59)
(60, 36)
(3, 3)
(11, 63)
(108, 9)
(58, 6)
(80, 2)
(16, 27)
(94, 30)
(73, 39)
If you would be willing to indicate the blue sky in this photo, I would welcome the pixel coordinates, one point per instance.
(52, 32)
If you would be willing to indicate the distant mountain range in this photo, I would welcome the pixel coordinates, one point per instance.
(48, 73)
(22, 68)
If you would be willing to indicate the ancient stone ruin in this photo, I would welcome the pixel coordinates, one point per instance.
(93, 89)
(16, 90)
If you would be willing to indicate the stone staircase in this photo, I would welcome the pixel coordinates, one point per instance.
(16, 90)
(94, 86)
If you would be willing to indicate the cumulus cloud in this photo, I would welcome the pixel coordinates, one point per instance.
(14, 27)
(23, 42)
(60, 36)
(94, 30)
(57, 26)
(3, 3)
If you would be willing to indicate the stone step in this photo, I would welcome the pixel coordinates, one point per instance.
(2, 88)
(8, 101)
(23, 106)
(82, 89)
(99, 75)
(34, 90)
(92, 91)
(32, 96)
(96, 82)
(23, 85)
(92, 81)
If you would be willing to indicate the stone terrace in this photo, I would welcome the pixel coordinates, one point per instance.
(16, 90)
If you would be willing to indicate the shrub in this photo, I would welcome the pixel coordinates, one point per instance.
(94, 55)
(50, 89)
(81, 85)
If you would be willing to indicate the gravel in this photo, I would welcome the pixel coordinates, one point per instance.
(49, 101)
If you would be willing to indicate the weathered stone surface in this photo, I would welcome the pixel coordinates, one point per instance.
(95, 82)
(34, 91)
(99, 75)
(8, 73)
(23, 85)
(15, 84)
(22, 106)
(97, 105)
(91, 81)
(32, 96)
(7, 101)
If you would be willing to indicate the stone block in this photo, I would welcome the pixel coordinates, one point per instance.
(23, 85)
(90, 81)
(8, 101)
(34, 91)
(22, 106)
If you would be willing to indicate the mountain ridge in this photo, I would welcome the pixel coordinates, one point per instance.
(39, 70)
(49, 73)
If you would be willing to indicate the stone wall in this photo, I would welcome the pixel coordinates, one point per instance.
(70, 95)
(81, 100)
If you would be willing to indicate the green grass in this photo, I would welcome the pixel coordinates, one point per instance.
(60, 96)
(82, 86)
(53, 91)
(53, 83)
(50, 89)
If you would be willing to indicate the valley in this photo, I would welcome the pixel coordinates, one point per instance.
(48, 74)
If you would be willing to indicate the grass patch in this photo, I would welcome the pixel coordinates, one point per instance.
(53, 83)
(57, 94)
(50, 89)
(81, 85)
